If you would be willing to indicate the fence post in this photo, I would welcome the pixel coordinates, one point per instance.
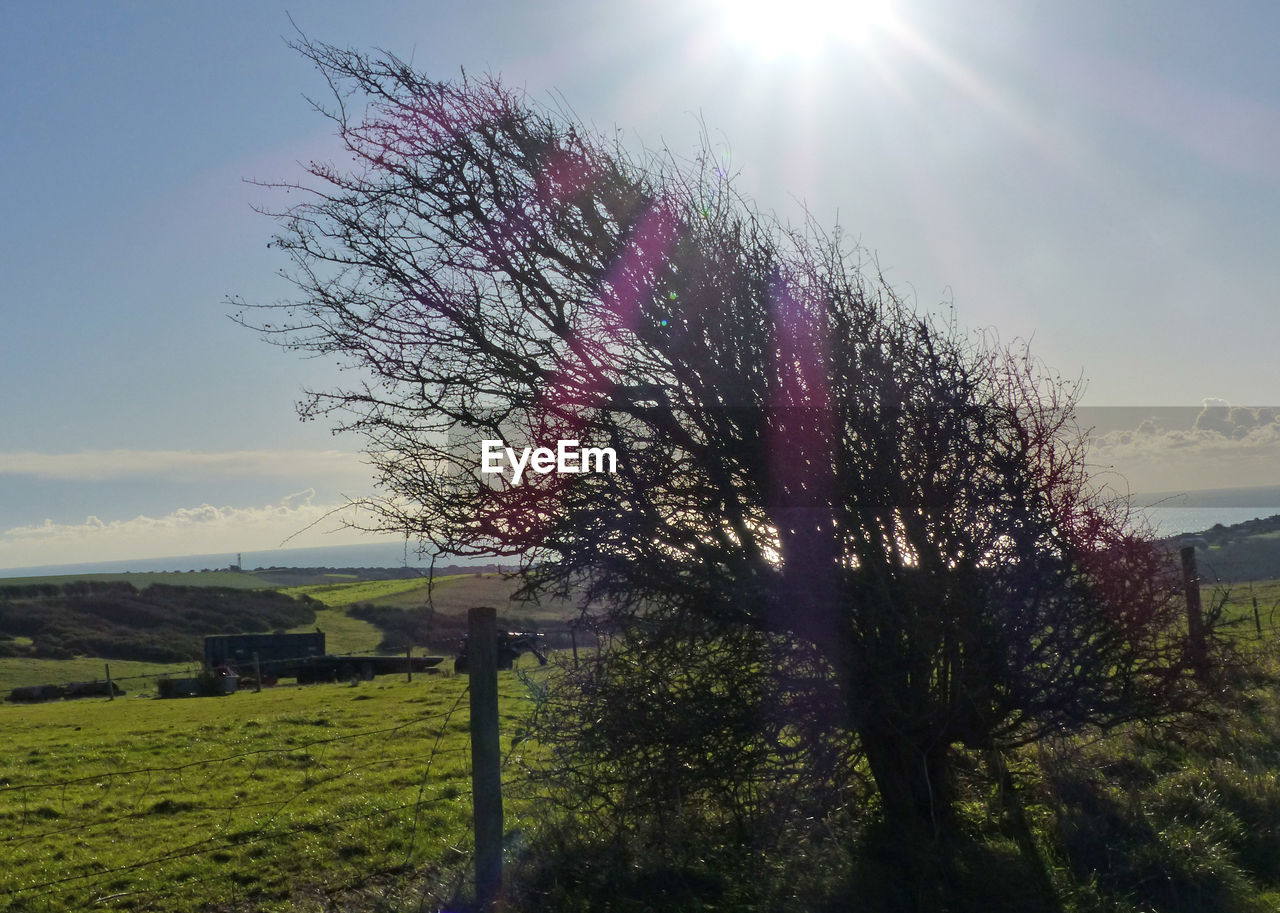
(486, 763)
(1195, 614)
(408, 663)
(573, 633)
(1257, 619)
(111, 691)
(257, 674)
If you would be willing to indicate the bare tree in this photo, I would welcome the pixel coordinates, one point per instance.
(800, 454)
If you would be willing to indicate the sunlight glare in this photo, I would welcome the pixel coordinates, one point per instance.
(804, 28)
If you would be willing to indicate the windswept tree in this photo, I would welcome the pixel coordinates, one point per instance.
(800, 454)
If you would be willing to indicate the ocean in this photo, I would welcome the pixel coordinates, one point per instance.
(1167, 521)
(1173, 521)
(374, 554)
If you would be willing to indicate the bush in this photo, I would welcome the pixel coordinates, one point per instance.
(159, 624)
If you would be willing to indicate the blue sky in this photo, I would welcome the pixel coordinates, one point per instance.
(1101, 178)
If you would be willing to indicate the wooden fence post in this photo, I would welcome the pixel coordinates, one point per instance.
(257, 674)
(1257, 619)
(486, 762)
(573, 633)
(408, 663)
(1195, 613)
(111, 691)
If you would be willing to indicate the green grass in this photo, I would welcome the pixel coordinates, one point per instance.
(455, 595)
(189, 805)
(1237, 606)
(342, 633)
(18, 671)
(451, 595)
(336, 595)
(1241, 595)
(245, 580)
(1176, 819)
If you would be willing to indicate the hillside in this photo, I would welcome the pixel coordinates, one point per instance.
(1239, 553)
(60, 629)
(432, 613)
(162, 617)
(161, 623)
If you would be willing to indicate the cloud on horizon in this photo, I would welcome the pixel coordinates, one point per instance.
(1228, 447)
(295, 520)
(104, 465)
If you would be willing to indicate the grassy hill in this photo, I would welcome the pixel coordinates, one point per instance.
(342, 633)
(268, 801)
(368, 609)
(241, 580)
(132, 676)
(161, 623)
(403, 593)
(451, 594)
(1242, 552)
(289, 798)
(432, 614)
(262, 578)
(61, 629)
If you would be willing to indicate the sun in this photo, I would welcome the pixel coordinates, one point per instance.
(804, 28)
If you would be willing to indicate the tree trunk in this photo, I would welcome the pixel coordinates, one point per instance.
(915, 784)
(915, 847)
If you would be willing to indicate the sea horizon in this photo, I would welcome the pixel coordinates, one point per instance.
(373, 555)
(1177, 521)
(1165, 521)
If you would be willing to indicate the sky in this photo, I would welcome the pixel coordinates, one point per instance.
(1102, 179)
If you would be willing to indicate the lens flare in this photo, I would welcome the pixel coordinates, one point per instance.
(803, 28)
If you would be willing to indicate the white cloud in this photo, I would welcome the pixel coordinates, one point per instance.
(102, 465)
(1229, 447)
(296, 520)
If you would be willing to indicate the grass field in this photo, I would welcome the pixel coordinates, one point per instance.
(342, 633)
(245, 580)
(1240, 596)
(313, 799)
(1237, 600)
(16, 671)
(252, 801)
(454, 595)
(451, 595)
(378, 592)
